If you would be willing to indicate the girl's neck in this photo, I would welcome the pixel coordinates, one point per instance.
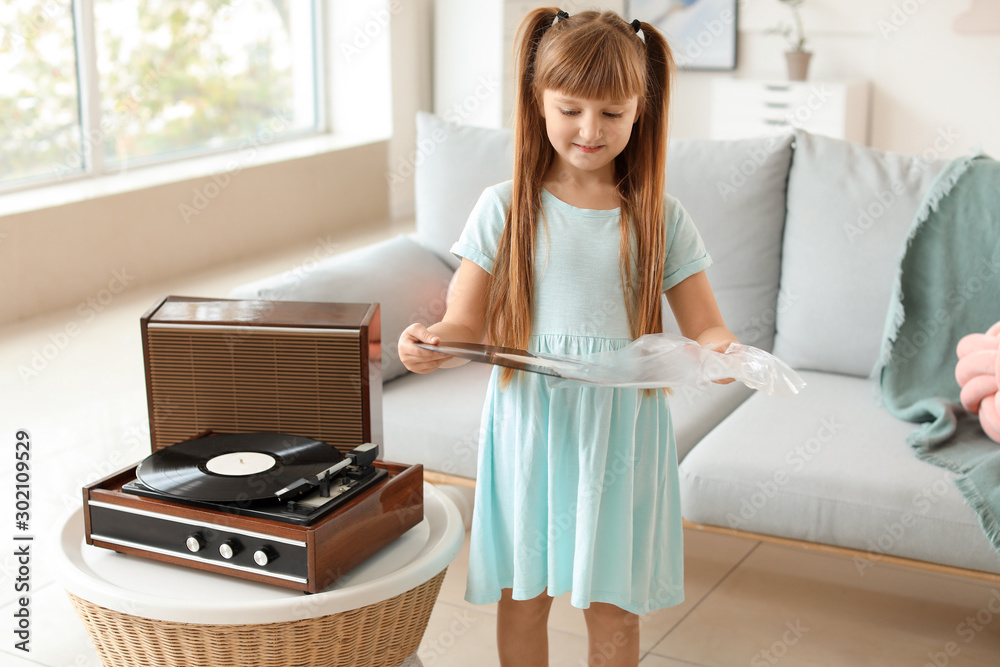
(591, 190)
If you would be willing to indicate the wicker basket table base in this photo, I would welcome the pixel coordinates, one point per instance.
(378, 635)
(142, 613)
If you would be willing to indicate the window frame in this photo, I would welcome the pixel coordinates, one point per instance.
(92, 137)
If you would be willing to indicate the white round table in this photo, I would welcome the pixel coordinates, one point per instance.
(139, 610)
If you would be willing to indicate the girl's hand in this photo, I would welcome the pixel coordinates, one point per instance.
(464, 322)
(721, 347)
(698, 316)
(416, 358)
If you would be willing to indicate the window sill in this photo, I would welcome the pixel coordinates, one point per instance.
(85, 188)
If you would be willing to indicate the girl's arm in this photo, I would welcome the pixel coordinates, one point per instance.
(697, 314)
(464, 322)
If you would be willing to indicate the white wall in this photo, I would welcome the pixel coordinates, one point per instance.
(60, 256)
(412, 54)
(928, 81)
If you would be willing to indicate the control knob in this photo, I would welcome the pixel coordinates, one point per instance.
(194, 542)
(229, 548)
(264, 555)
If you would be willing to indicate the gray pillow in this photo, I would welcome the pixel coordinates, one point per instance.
(454, 164)
(850, 208)
(735, 192)
(408, 282)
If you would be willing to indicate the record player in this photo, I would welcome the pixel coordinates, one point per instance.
(246, 482)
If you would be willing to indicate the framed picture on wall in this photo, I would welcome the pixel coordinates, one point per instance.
(701, 33)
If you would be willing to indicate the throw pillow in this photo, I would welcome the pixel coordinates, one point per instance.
(735, 193)
(850, 208)
(454, 165)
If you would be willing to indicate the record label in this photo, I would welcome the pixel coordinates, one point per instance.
(240, 463)
(235, 466)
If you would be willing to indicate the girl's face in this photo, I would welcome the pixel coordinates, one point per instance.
(587, 134)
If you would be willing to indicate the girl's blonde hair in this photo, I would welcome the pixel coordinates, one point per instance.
(591, 55)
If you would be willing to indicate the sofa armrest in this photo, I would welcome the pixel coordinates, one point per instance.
(408, 281)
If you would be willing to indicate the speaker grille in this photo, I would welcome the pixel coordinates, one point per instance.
(240, 380)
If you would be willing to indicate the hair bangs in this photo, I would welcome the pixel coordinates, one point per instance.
(595, 61)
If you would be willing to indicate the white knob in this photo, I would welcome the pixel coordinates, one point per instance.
(194, 543)
(228, 549)
(263, 556)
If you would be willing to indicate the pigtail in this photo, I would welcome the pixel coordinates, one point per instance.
(641, 171)
(510, 293)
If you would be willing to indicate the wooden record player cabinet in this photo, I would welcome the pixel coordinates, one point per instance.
(226, 366)
(229, 366)
(306, 558)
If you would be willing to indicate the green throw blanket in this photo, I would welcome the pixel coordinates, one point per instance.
(948, 286)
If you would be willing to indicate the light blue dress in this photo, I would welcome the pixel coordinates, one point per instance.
(577, 484)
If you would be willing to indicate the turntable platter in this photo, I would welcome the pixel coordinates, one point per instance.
(234, 467)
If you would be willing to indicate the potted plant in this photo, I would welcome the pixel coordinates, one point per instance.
(797, 56)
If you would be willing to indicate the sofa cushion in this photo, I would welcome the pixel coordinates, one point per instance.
(735, 192)
(406, 280)
(695, 411)
(849, 211)
(830, 466)
(435, 418)
(455, 164)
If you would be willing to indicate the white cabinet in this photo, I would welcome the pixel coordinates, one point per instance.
(746, 108)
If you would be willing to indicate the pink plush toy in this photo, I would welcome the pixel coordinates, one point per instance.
(978, 374)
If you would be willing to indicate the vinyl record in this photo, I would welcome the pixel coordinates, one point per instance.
(234, 467)
(509, 357)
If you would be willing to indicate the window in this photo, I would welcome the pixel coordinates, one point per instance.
(94, 87)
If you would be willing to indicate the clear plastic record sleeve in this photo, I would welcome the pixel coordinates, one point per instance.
(649, 362)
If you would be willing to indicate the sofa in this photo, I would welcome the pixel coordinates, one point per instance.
(806, 233)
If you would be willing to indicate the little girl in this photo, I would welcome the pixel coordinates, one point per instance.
(577, 488)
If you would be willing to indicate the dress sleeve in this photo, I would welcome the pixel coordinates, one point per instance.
(686, 254)
(481, 237)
